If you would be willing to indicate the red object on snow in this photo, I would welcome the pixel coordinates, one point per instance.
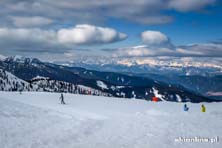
(155, 99)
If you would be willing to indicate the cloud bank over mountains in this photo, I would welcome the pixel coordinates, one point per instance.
(158, 44)
(65, 40)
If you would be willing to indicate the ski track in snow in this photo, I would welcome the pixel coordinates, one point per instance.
(37, 120)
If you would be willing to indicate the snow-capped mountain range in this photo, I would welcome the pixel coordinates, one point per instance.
(203, 66)
(43, 76)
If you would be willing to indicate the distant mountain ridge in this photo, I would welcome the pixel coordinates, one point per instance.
(165, 65)
(202, 75)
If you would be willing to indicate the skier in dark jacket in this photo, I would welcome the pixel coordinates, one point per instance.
(62, 99)
(185, 108)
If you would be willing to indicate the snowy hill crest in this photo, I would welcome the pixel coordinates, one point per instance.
(9, 82)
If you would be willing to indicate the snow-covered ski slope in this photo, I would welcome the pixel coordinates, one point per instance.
(38, 120)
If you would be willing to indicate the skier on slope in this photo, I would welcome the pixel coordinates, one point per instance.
(62, 99)
(203, 108)
(185, 108)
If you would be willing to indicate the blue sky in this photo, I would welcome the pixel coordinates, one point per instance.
(186, 28)
(77, 28)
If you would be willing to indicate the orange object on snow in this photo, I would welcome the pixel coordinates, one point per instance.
(155, 99)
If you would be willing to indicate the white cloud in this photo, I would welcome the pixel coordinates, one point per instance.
(89, 34)
(24, 35)
(64, 40)
(189, 5)
(151, 20)
(158, 44)
(138, 52)
(144, 50)
(196, 50)
(30, 21)
(93, 11)
(35, 39)
(202, 49)
(154, 38)
(69, 55)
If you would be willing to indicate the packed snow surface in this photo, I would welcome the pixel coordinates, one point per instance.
(38, 120)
